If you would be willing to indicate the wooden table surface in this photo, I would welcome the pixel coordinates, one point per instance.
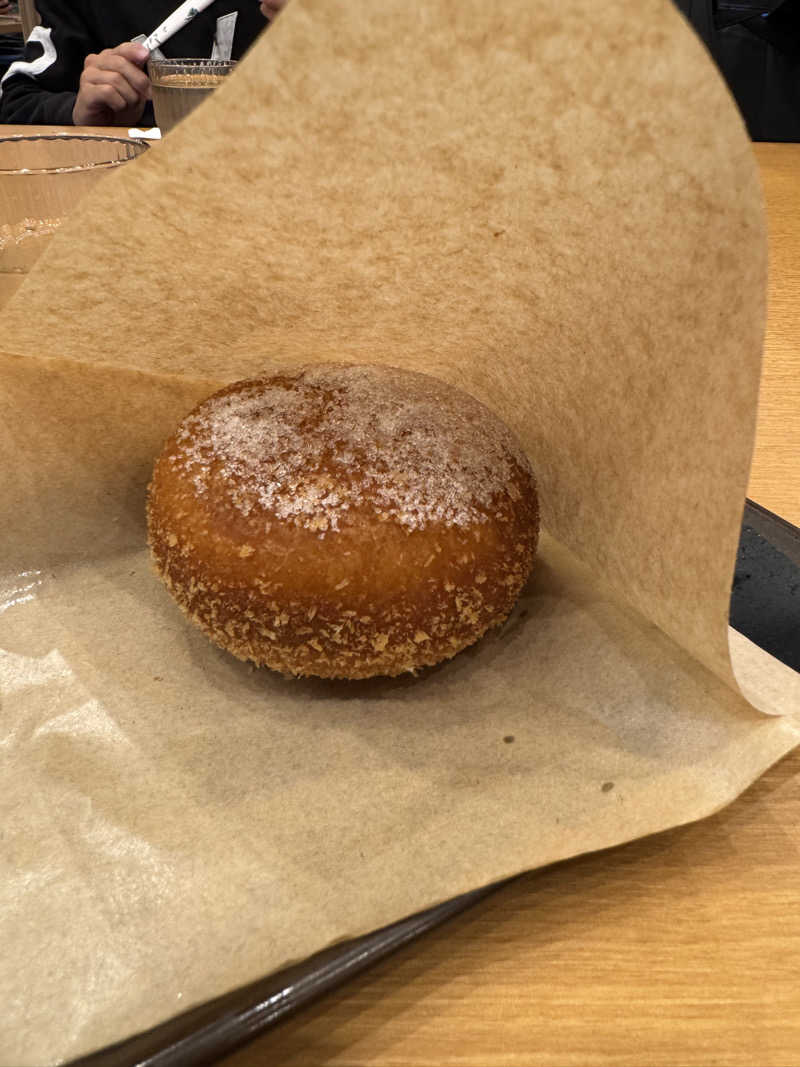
(10, 24)
(680, 949)
(775, 476)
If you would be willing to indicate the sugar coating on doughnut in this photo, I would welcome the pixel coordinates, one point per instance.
(344, 521)
(410, 454)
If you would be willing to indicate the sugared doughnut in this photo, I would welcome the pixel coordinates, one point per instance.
(343, 521)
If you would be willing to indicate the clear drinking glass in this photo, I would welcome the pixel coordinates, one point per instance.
(179, 85)
(42, 178)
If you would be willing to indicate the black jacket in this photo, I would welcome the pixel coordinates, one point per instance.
(756, 45)
(41, 88)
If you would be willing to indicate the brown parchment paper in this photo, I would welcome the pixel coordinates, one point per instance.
(556, 209)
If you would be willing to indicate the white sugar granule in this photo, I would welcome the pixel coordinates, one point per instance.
(308, 445)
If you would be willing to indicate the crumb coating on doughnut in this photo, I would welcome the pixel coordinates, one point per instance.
(343, 521)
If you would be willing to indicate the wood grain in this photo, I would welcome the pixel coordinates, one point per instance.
(775, 475)
(680, 949)
(11, 24)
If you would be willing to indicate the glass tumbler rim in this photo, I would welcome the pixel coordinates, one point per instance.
(162, 68)
(192, 61)
(138, 145)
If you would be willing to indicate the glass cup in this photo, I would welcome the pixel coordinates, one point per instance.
(179, 85)
(42, 178)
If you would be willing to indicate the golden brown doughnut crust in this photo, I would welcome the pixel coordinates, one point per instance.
(343, 521)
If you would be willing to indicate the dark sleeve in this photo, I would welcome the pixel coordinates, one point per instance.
(40, 88)
(756, 45)
(250, 25)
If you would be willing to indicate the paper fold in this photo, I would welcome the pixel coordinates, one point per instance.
(557, 210)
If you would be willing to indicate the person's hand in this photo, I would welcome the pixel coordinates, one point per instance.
(5, 7)
(113, 88)
(271, 8)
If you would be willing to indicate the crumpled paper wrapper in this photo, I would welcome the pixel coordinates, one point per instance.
(554, 207)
